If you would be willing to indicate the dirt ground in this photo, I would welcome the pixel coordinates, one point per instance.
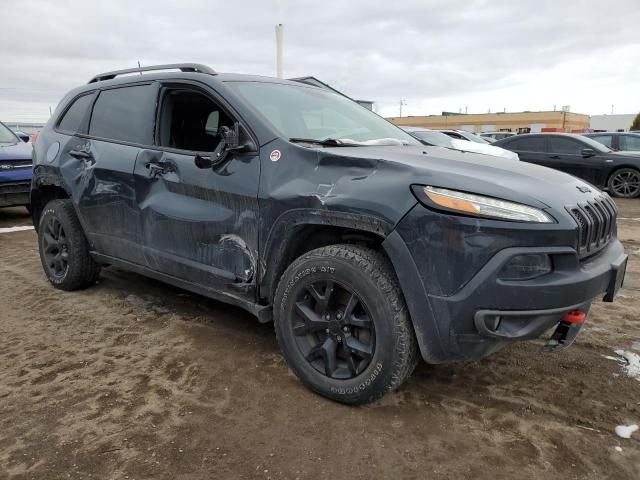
(132, 379)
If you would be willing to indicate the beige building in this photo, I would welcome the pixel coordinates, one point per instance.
(518, 122)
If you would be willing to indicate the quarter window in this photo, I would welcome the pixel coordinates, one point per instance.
(76, 114)
(124, 114)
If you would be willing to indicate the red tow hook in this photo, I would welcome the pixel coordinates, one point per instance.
(566, 331)
(575, 317)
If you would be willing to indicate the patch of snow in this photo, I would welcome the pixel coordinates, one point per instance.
(625, 431)
(615, 359)
(618, 449)
(632, 367)
(16, 229)
(636, 345)
(141, 302)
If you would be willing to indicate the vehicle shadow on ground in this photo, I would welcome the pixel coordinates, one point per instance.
(14, 216)
(521, 379)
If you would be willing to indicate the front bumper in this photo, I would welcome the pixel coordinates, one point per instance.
(461, 310)
(15, 193)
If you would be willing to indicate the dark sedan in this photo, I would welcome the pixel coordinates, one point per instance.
(583, 157)
(617, 141)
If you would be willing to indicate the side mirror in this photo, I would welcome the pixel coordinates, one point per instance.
(229, 142)
(588, 152)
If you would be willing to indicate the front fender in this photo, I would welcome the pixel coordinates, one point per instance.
(282, 237)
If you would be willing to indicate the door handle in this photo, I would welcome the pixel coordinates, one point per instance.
(83, 154)
(555, 157)
(159, 168)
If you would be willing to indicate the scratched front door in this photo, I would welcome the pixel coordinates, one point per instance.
(199, 224)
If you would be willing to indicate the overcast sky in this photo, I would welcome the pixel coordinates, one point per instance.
(437, 55)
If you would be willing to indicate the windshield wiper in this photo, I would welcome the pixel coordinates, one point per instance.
(327, 142)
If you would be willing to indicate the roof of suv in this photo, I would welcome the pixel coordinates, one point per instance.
(163, 72)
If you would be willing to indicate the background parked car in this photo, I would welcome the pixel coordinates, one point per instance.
(462, 135)
(439, 139)
(580, 156)
(15, 169)
(493, 136)
(617, 141)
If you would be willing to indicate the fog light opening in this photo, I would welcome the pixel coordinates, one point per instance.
(526, 267)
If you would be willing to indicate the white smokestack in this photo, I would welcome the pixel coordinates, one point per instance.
(279, 32)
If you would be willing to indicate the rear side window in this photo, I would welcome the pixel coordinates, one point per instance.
(565, 146)
(124, 114)
(76, 114)
(532, 144)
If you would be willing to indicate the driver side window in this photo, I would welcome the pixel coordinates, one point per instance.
(189, 120)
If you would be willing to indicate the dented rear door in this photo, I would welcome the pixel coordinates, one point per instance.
(122, 122)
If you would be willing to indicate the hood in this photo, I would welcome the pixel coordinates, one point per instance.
(465, 171)
(625, 154)
(16, 151)
(485, 148)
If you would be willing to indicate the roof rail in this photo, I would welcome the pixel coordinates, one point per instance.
(184, 67)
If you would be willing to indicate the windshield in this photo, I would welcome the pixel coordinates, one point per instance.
(6, 135)
(438, 139)
(597, 146)
(473, 138)
(300, 112)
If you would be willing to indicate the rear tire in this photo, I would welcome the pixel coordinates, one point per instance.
(342, 324)
(64, 250)
(624, 183)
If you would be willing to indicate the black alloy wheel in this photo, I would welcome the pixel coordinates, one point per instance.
(333, 330)
(625, 183)
(343, 325)
(55, 248)
(64, 250)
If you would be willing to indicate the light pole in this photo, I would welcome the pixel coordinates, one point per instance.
(279, 39)
(402, 102)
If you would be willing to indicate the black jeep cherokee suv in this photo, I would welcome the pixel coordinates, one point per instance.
(363, 246)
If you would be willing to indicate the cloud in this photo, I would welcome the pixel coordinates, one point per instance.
(439, 55)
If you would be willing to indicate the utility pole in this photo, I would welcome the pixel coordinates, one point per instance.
(402, 102)
(612, 109)
(279, 39)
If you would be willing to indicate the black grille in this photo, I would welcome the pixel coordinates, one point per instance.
(14, 187)
(596, 221)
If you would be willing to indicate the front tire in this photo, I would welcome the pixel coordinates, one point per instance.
(624, 183)
(342, 324)
(64, 250)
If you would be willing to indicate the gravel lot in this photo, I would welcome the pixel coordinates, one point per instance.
(134, 379)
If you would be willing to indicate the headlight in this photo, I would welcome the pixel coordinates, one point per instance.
(479, 205)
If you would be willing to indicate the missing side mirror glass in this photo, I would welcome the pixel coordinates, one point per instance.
(229, 142)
